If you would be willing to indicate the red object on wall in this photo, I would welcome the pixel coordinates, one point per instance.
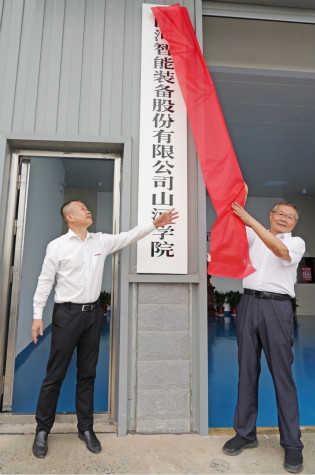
(306, 274)
(221, 172)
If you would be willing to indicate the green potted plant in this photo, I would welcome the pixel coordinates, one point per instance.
(105, 299)
(219, 299)
(233, 298)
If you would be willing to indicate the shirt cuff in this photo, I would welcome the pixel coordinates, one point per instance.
(37, 313)
(296, 251)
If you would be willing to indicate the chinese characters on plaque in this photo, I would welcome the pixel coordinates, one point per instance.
(162, 155)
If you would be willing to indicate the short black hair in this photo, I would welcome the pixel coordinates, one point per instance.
(63, 206)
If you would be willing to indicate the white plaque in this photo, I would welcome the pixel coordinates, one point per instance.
(162, 155)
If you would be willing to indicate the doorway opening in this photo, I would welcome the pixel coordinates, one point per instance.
(47, 180)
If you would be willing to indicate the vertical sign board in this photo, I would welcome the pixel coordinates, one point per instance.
(162, 155)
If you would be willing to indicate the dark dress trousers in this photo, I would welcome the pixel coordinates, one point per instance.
(266, 324)
(71, 328)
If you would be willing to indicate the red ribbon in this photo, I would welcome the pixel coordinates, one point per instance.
(220, 169)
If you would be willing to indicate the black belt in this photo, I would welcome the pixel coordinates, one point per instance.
(83, 307)
(262, 294)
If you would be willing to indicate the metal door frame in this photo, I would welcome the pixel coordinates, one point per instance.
(17, 155)
(9, 207)
(16, 276)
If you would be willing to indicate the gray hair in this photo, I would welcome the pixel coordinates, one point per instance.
(288, 203)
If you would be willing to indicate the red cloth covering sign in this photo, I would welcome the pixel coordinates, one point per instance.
(221, 172)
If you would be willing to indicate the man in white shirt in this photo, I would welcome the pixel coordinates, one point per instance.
(265, 321)
(76, 260)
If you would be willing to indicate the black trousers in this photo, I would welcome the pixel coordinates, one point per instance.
(266, 324)
(70, 329)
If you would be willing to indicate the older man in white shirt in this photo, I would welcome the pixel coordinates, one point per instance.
(76, 260)
(265, 321)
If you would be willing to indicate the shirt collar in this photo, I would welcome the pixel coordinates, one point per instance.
(283, 235)
(71, 234)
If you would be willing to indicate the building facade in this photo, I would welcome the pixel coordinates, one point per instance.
(70, 89)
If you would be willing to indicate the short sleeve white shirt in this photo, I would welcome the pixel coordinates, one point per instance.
(273, 274)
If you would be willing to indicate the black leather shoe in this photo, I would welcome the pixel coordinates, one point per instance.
(40, 444)
(293, 460)
(235, 445)
(91, 441)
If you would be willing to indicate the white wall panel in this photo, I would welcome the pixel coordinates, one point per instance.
(4, 34)
(94, 110)
(118, 68)
(66, 68)
(86, 75)
(54, 66)
(71, 66)
(108, 73)
(23, 65)
(44, 69)
(9, 66)
(32, 80)
(76, 67)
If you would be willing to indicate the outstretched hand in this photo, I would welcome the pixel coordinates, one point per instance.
(240, 212)
(166, 218)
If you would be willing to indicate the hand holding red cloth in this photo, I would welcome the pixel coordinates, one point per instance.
(221, 172)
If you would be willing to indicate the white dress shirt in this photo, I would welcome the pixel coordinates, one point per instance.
(78, 266)
(273, 274)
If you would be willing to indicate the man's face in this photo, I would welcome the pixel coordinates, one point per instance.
(79, 215)
(282, 219)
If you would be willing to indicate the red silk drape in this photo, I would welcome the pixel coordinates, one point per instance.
(220, 169)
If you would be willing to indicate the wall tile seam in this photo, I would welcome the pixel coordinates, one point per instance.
(158, 430)
(179, 386)
(156, 308)
(168, 388)
(164, 420)
(165, 331)
(185, 390)
(164, 304)
(167, 418)
(159, 330)
(178, 358)
(160, 361)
